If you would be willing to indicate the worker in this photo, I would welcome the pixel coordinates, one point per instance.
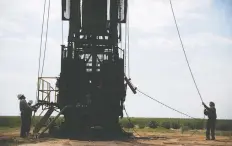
(25, 110)
(30, 115)
(211, 122)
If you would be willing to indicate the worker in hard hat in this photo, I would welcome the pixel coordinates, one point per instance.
(211, 122)
(29, 120)
(25, 110)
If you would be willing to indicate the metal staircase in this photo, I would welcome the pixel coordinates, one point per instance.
(47, 99)
(43, 121)
(52, 122)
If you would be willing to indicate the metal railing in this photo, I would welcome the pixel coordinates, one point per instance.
(47, 91)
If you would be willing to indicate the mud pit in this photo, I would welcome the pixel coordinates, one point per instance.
(143, 139)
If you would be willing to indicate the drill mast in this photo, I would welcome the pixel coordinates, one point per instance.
(92, 64)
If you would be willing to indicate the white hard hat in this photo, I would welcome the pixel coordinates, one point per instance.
(30, 102)
(19, 96)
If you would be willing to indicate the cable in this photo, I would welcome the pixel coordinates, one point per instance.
(62, 31)
(125, 53)
(165, 104)
(40, 50)
(177, 28)
(171, 109)
(41, 36)
(46, 37)
(185, 52)
(128, 118)
(128, 47)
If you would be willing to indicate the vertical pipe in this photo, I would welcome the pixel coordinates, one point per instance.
(38, 88)
(94, 54)
(42, 91)
(49, 92)
(114, 27)
(55, 99)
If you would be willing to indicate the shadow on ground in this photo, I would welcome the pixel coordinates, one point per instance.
(14, 141)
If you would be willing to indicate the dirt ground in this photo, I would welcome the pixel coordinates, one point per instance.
(141, 138)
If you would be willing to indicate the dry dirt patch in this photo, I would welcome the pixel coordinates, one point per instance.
(144, 139)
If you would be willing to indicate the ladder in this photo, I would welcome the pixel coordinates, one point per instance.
(45, 119)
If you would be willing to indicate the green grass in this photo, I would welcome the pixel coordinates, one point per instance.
(165, 125)
(176, 123)
(7, 129)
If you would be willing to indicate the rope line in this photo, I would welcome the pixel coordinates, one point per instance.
(46, 37)
(128, 118)
(41, 36)
(62, 31)
(184, 51)
(165, 104)
(40, 48)
(186, 58)
(172, 109)
(125, 52)
(128, 42)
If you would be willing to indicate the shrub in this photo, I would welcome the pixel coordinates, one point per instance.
(166, 125)
(128, 125)
(190, 125)
(175, 125)
(153, 124)
(199, 124)
(223, 127)
(141, 126)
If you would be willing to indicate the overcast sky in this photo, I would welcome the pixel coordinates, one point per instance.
(157, 63)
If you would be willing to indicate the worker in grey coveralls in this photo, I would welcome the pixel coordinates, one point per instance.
(211, 122)
(25, 110)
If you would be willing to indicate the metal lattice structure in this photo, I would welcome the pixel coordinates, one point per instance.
(91, 89)
(91, 59)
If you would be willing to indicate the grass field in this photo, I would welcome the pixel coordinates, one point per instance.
(168, 131)
(167, 123)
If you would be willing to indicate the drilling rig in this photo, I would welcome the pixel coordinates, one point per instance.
(91, 88)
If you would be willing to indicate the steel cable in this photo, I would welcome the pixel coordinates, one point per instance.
(40, 48)
(186, 58)
(46, 37)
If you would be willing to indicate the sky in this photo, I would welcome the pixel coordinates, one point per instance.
(157, 63)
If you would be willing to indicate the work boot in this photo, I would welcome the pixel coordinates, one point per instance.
(213, 136)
